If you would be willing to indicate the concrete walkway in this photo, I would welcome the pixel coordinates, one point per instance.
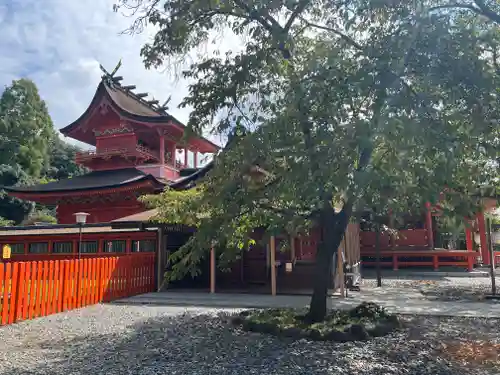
(404, 302)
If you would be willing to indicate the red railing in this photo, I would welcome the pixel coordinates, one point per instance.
(32, 289)
(137, 151)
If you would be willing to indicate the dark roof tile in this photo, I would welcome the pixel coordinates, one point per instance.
(89, 181)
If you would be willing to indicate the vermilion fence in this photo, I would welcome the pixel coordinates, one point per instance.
(33, 289)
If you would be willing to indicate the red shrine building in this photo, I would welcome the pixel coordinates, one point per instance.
(138, 149)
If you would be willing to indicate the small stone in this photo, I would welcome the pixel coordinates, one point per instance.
(381, 329)
(358, 332)
(314, 334)
(292, 332)
(267, 328)
(338, 336)
(245, 313)
(250, 325)
(237, 320)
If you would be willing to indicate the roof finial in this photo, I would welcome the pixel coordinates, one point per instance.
(109, 76)
(116, 68)
(164, 106)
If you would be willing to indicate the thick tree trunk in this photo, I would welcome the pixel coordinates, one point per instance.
(333, 227)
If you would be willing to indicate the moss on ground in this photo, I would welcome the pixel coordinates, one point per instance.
(360, 323)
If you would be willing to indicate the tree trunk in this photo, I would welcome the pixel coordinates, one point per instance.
(377, 252)
(333, 227)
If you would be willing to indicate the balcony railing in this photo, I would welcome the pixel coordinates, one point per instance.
(107, 153)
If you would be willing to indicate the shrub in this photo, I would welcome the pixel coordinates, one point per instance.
(360, 323)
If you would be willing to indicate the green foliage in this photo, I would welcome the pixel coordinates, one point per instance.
(12, 208)
(26, 128)
(369, 319)
(5, 223)
(353, 105)
(42, 215)
(62, 161)
(30, 150)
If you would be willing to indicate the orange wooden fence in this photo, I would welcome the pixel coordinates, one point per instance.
(33, 289)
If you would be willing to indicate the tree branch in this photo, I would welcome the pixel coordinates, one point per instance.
(296, 13)
(343, 36)
(455, 6)
(479, 7)
(263, 20)
(283, 211)
(487, 12)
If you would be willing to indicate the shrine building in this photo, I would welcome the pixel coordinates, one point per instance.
(138, 149)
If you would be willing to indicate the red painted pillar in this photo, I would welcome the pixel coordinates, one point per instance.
(185, 158)
(428, 225)
(469, 242)
(485, 254)
(392, 239)
(162, 149)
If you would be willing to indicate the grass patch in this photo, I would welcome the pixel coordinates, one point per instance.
(360, 323)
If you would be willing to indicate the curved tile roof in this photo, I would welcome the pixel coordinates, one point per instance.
(90, 181)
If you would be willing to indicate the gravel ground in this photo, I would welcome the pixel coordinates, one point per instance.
(440, 288)
(120, 339)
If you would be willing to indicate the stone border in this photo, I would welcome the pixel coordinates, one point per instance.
(354, 332)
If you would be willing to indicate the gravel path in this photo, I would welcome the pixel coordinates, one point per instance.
(120, 339)
(440, 288)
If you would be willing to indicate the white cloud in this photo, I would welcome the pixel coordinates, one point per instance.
(60, 43)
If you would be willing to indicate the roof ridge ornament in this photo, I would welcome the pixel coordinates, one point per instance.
(164, 106)
(108, 77)
(111, 80)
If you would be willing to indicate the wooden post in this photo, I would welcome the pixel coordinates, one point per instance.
(185, 158)
(272, 249)
(392, 224)
(162, 149)
(340, 270)
(491, 252)
(485, 254)
(195, 159)
(212, 270)
(160, 245)
(428, 225)
(292, 249)
(469, 244)
(377, 254)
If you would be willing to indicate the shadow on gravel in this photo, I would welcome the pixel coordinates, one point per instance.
(206, 344)
(455, 293)
(390, 275)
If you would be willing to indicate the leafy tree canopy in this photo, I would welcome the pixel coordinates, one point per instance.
(30, 150)
(360, 104)
(62, 161)
(12, 208)
(42, 215)
(26, 128)
(5, 223)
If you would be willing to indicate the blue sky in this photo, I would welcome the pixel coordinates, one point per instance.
(59, 45)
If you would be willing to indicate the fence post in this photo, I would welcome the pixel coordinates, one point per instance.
(33, 292)
(60, 285)
(44, 293)
(66, 284)
(6, 286)
(13, 292)
(27, 279)
(435, 262)
(20, 295)
(395, 264)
